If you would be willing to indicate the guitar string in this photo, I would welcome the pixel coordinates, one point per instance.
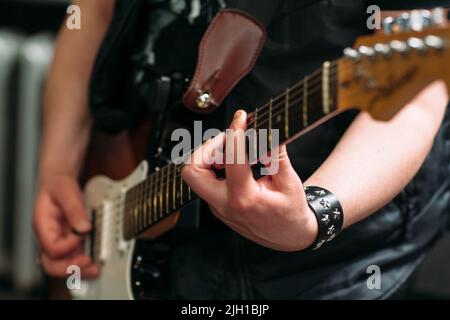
(160, 187)
(313, 79)
(263, 121)
(278, 108)
(155, 179)
(295, 95)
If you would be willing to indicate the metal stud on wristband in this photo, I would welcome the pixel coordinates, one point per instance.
(329, 214)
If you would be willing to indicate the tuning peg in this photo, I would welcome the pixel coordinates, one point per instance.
(416, 20)
(366, 51)
(399, 46)
(427, 20)
(388, 25)
(403, 22)
(420, 20)
(434, 42)
(438, 16)
(352, 54)
(382, 48)
(417, 44)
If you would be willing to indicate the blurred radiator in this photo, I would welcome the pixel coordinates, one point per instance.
(32, 56)
(9, 50)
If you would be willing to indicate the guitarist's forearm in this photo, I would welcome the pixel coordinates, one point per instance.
(66, 117)
(375, 160)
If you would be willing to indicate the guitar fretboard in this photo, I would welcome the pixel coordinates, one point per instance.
(298, 107)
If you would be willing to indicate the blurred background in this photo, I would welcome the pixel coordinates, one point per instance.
(27, 32)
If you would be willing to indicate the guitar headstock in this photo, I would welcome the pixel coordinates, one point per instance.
(384, 71)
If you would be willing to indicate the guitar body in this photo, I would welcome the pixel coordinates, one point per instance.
(115, 254)
(129, 269)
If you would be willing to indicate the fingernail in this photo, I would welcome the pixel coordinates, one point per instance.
(83, 227)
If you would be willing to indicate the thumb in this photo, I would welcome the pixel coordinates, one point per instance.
(69, 197)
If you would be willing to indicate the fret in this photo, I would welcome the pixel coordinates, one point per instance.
(286, 114)
(154, 187)
(305, 102)
(149, 205)
(133, 194)
(174, 188)
(149, 200)
(136, 210)
(181, 191)
(161, 186)
(144, 204)
(140, 206)
(167, 187)
(135, 224)
(326, 87)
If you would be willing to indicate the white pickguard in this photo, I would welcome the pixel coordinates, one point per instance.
(107, 198)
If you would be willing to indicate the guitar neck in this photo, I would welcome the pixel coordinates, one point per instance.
(291, 113)
(379, 76)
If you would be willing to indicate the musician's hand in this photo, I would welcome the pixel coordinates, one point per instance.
(271, 211)
(59, 216)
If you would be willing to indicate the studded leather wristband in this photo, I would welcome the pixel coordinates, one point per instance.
(328, 212)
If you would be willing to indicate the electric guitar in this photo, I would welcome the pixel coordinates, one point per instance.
(379, 76)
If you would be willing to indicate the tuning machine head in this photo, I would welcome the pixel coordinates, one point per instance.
(399, 46)
(434, 42)
(383, 49)
(359, 53)
(416, 44)
(400, 24)
(438, 16)
(420, 20)
(403, 22)
(417, 20)
(388, 25)
(366, 51)
(352, 54)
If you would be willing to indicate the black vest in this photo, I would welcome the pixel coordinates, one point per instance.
(218, 263)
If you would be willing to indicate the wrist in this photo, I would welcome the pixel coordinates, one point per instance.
(61, 161)
(44, 177)
(311, 228)
(63, 156)
(328, 214)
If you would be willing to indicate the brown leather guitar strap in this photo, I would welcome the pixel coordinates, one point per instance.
(228, 51)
